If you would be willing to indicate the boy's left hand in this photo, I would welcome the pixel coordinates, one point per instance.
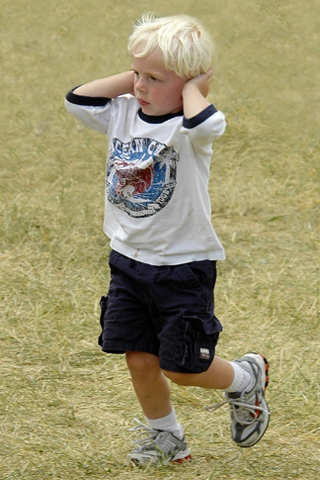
(202, 82)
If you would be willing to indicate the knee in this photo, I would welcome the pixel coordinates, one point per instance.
(182, 379)
(142, 364)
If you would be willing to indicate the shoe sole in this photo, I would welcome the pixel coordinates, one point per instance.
(264, 366)
(181, 457)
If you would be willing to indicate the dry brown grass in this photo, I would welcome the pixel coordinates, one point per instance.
(64, 406)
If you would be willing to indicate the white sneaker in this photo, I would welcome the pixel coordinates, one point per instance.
(158, 446)
(249, 410)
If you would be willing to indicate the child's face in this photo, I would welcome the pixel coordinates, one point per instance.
(159, 91)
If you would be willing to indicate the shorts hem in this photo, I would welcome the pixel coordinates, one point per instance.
(181, 369)
(127, 348)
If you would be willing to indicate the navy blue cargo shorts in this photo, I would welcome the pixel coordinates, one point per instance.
(165, 310)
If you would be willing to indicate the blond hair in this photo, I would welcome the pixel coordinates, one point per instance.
(186, 46)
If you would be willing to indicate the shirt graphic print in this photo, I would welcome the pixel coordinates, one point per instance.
(141, 176)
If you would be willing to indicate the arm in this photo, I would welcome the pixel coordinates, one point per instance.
(109, 87)
(194, 94)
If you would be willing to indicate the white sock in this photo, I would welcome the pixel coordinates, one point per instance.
(242, 380)
(168, 423)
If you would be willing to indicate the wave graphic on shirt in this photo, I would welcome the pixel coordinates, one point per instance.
(141, 176)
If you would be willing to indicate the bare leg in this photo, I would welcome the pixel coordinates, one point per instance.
(150, 384)
(218, 376)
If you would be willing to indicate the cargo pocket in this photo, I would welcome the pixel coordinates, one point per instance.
(196, 343)
(103, 307)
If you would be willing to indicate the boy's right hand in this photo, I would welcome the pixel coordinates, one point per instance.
(108, 87)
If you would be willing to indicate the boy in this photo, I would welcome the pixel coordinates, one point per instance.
(159, 310)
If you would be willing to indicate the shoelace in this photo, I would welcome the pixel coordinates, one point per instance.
(166, 444)
(244, 409)
(143, 428)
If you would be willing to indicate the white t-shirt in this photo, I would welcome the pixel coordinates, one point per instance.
(157, 205)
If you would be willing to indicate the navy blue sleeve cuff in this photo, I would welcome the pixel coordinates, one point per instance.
(86, 101)
(201, 117)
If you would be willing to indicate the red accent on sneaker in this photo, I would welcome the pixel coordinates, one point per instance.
(188, 458)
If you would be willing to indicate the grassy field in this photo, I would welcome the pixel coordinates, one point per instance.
(65, 408)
